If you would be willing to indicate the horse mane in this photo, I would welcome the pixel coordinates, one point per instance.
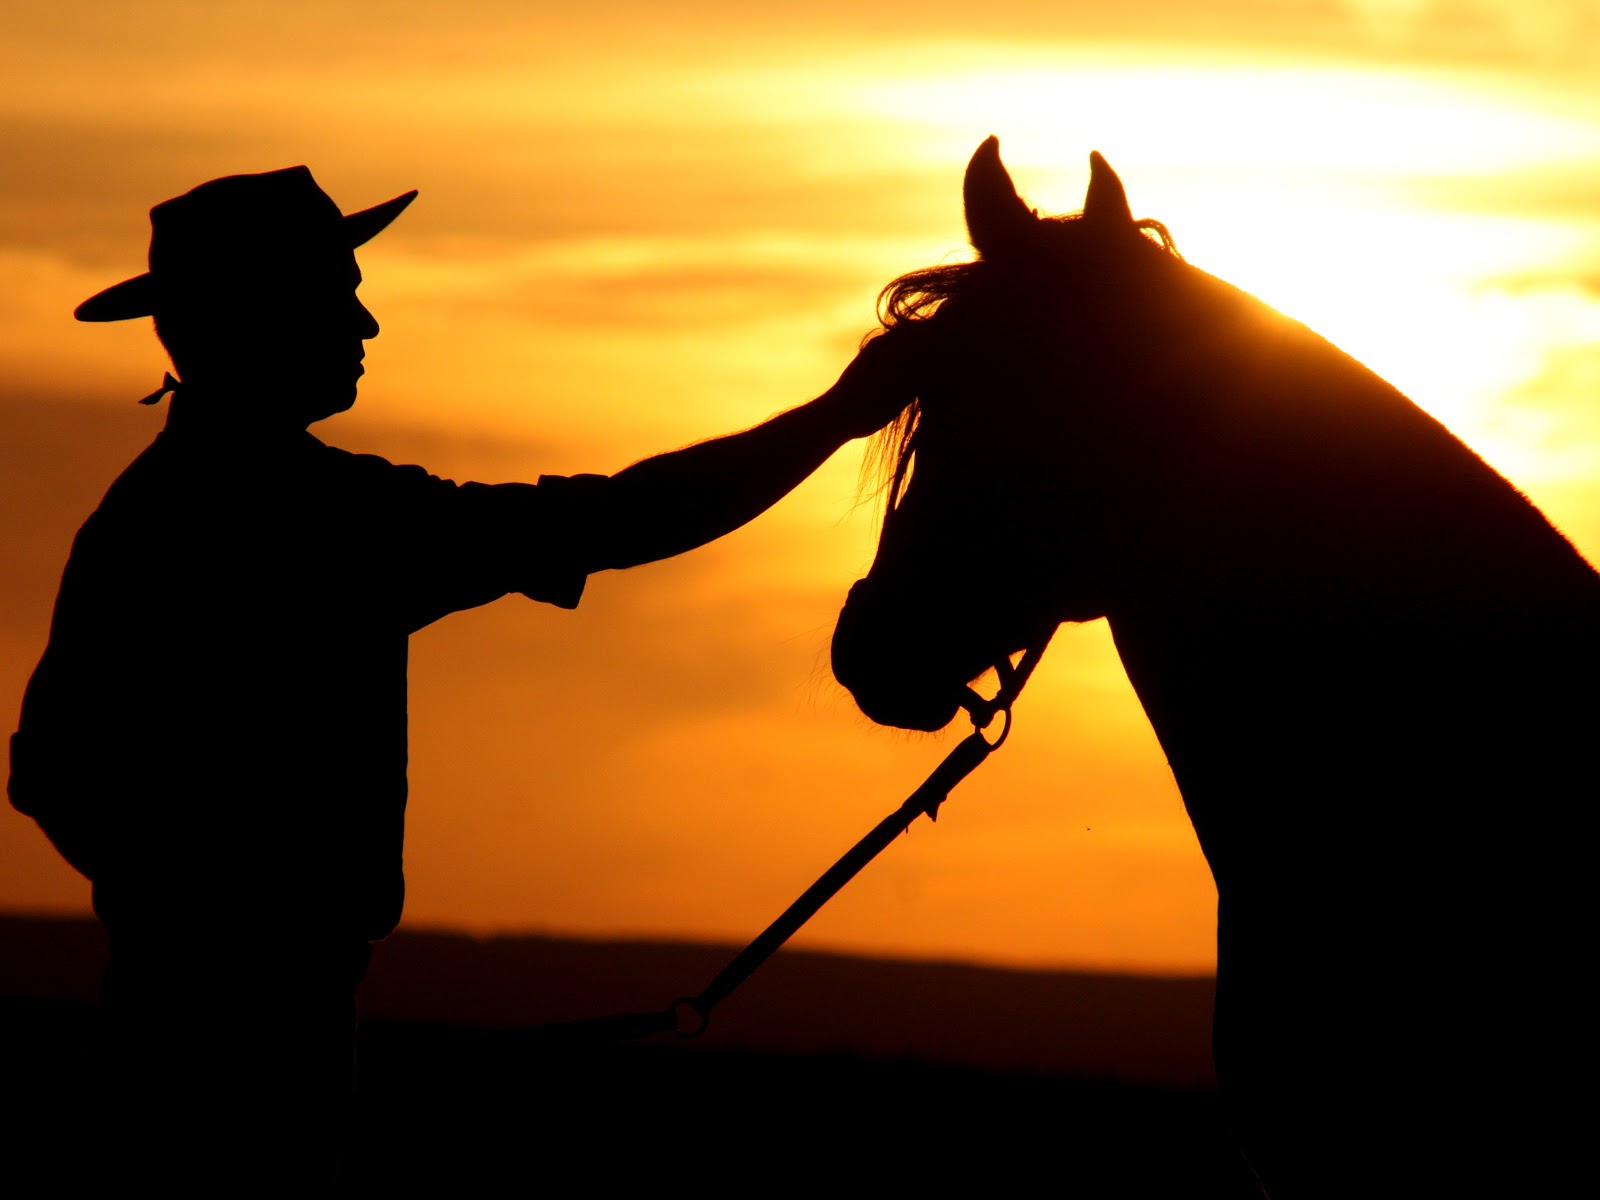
(918, 297)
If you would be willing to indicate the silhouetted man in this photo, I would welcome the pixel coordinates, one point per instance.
(216, 734)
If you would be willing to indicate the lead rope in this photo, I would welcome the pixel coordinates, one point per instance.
(688, 1016)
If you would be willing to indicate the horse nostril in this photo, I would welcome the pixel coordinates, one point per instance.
(883, 665)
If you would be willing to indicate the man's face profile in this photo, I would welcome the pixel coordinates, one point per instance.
(321, 339)
(292, 337)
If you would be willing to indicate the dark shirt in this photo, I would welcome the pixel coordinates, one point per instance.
(216, 734)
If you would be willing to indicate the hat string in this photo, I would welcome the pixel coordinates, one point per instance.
(168, 384)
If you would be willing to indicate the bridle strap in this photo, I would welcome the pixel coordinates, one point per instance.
(1012, 680)
(689, 1016)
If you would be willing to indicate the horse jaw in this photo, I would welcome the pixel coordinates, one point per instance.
(998, 222)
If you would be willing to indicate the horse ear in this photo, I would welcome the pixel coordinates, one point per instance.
(997, 219)
(1106, 204)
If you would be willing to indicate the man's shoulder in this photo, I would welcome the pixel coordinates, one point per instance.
(140, 484)
(561, 490)
(359, 472)
(337, 458)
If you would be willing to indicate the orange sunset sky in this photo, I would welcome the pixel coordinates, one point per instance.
(641, 224)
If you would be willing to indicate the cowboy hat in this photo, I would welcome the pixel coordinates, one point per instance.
(233, 230)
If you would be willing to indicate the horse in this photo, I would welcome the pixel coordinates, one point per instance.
(1370, 662)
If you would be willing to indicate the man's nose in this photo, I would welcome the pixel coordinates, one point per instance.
(366, 322)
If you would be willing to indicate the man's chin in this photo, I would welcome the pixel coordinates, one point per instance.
(330, 406)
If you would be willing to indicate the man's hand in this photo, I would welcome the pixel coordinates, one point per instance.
(683, 499)
(879, 382)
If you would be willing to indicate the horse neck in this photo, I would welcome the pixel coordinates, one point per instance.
(1290, 479)
(1321, 558)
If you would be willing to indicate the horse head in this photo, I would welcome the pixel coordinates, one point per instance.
(1004, 476)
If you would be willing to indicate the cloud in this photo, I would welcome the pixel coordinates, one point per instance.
(492, 107)
(1550, 32)
(1568, 192)
(653, 285)
(349, 34)
(1573, 277)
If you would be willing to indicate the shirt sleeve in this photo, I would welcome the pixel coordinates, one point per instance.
(460, 545)
(573, 518)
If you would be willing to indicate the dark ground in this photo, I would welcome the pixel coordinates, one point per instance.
(722, 1122)
(472, 1106)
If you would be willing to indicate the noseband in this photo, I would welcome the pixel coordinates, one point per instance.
(1012, 680)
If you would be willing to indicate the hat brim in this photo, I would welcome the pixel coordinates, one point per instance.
(120, 302)
(136, 297)
(361, 227)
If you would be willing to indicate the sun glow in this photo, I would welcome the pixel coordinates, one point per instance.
(1306, 120)
(1349, 199)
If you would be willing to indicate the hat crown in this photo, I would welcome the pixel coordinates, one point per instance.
(239, 222)
(280, 207)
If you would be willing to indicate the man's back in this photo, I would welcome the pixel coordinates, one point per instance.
(217, 730)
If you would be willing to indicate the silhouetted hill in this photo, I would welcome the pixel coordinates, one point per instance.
(824, 1070)
(1129, 1029)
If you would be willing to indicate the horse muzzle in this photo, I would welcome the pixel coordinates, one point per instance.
(877, 660)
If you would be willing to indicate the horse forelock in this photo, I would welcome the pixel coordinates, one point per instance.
(923, 295)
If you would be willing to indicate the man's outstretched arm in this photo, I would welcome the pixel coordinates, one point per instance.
(685, 498)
